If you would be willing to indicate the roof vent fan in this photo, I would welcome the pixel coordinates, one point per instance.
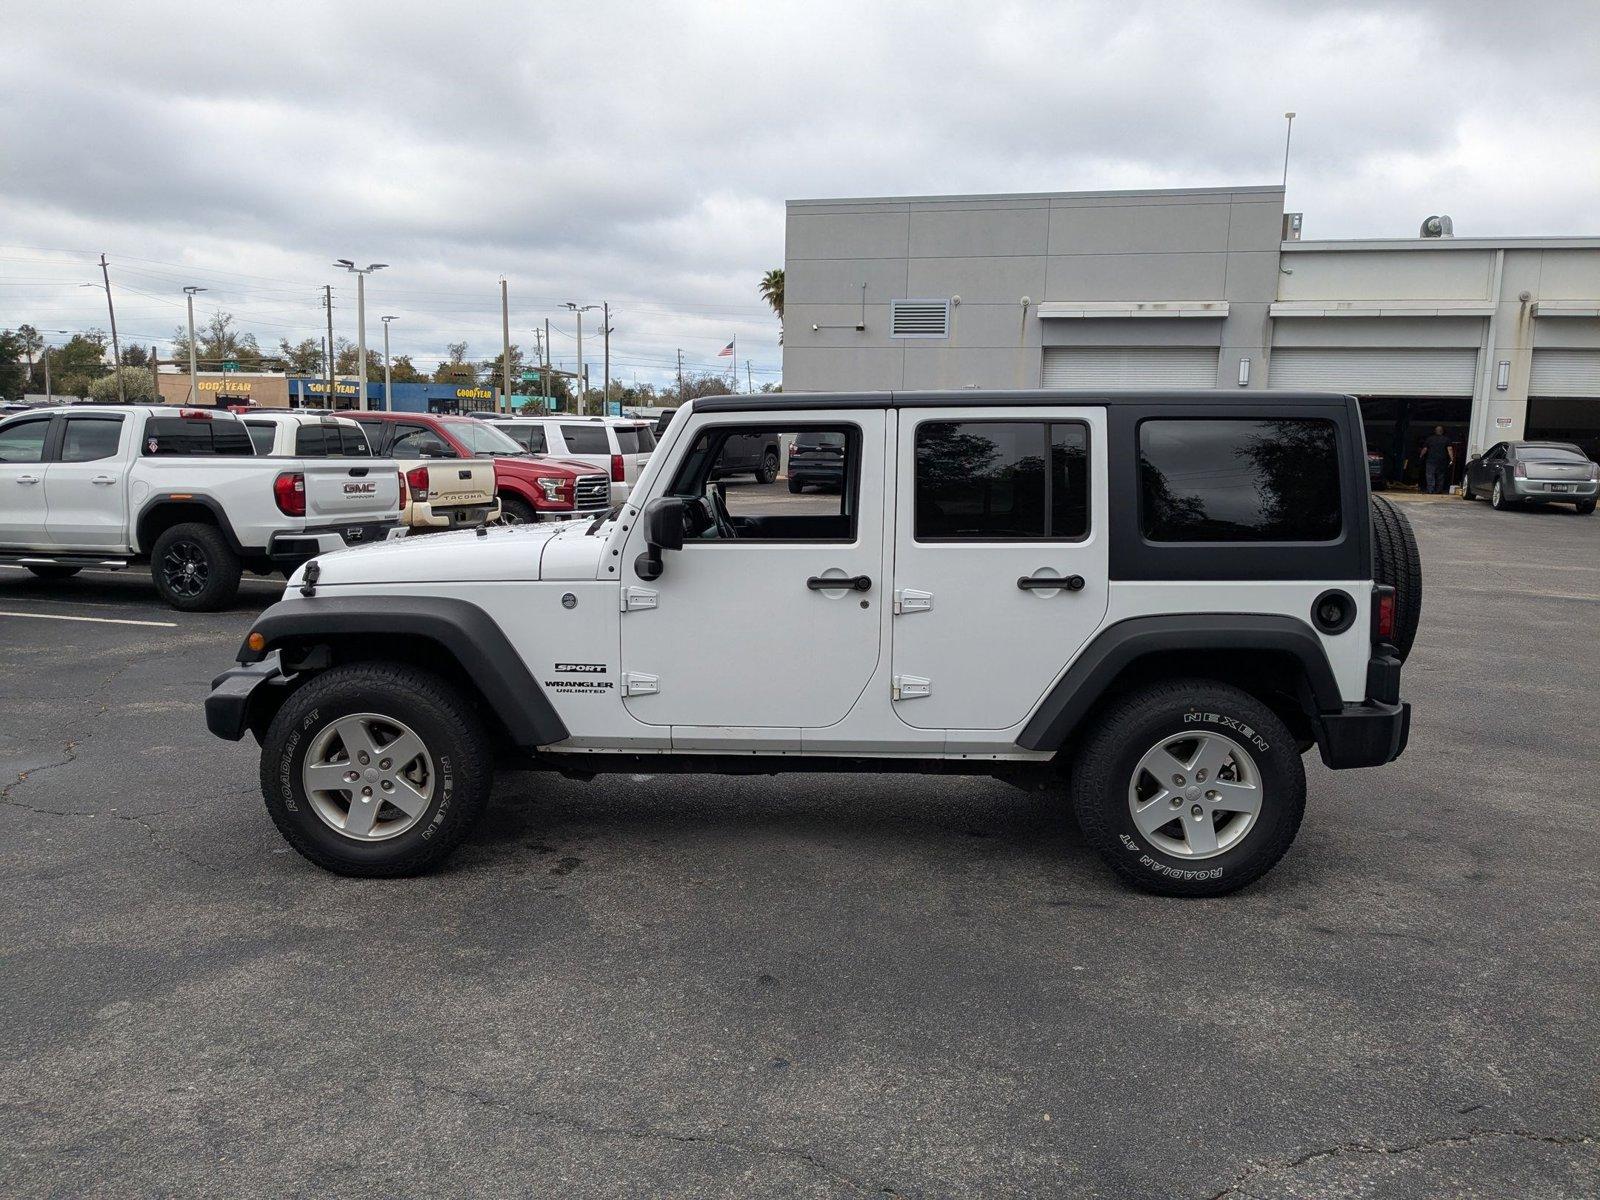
(1437, 227)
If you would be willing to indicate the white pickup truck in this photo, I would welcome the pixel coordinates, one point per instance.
(181, 489)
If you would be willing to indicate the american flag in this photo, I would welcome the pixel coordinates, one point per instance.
(726, 351)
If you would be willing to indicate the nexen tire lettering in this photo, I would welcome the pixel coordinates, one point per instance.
(1239, 727)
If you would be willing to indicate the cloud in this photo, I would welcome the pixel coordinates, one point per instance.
(642, 153)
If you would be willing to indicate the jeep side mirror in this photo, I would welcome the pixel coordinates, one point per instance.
(663, 530)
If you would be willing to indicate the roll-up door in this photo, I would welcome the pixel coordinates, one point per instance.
(1130, 366)
(1565, 373)
(1376, 372)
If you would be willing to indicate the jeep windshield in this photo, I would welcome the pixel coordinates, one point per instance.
(484, 439)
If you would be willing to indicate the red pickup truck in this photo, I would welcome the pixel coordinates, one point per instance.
(530, 487)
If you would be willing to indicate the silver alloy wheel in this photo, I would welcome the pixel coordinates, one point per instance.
(1497, 498)
(368, 777)
(1195, 795)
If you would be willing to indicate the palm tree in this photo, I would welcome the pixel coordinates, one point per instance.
(772, 290)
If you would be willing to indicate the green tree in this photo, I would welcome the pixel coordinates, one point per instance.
(492, 368)
(402, 370)
(303, 357)
(13, 378)
(347, 361)
(456, 368)
(218, 342)
(32, 344)
(707, 384)
(82, 358)
(137, 386)
(136, 356)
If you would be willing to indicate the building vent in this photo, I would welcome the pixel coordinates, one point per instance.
(1438, 227)
(1291, 226)
(919, 318)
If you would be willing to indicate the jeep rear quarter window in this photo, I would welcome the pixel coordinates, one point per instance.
(1231, 480)
(988, 481)
(188, 436)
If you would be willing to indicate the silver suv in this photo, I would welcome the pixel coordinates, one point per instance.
(619, 446)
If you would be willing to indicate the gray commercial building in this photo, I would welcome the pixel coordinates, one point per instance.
(1493, 338)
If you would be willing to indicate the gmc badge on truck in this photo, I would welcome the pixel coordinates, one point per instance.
(361, 489)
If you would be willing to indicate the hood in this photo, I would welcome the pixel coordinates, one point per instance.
(508, 552)
(540, 464)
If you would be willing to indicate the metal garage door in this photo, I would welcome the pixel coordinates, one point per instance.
(1373, 372)
(1565, 373)
(1130, 366)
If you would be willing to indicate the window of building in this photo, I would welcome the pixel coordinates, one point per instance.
(1239, 480)
(1002, 481)
(89, 439)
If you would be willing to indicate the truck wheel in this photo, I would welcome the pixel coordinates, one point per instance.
(1189, 788)
(194, 569)
(768, 471)
(51, 572)
(376, 769)
(516, 511)
(1396, 563)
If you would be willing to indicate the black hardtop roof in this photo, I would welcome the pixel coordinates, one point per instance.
(971, 397)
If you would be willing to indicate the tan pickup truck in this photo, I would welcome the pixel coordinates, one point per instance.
(445, 490)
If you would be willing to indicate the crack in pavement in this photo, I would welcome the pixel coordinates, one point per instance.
(646, 1133)
(1262, 1167)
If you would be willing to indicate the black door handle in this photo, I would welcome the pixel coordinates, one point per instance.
(1040, 583)
(857, 583)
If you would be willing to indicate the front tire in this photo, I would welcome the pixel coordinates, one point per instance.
(516, 511)
(419, 757)
(54, 573)
(768, 471)
(194, 568)
(1190, 788)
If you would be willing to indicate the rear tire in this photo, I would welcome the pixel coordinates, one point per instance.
(1497, 499)
(448, 778)
(1397, 563)
(54, 573)
(1466, 490)
(795, 487)
(1585, 507)
(516, 511)
(768, 471)
(1198, 851)
(194, 568)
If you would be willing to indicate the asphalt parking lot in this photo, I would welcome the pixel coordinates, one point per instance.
(830, 986)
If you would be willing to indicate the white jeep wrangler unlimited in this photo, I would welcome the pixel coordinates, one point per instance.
(1155, 601)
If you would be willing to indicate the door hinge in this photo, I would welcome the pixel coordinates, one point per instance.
(635, 684)
(912, 687)
(635, 598)
(910, 600)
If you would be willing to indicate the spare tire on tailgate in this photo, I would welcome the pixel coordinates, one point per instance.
(1395, 562)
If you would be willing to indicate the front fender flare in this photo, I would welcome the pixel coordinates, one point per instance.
(1120, 645)
(460, 628)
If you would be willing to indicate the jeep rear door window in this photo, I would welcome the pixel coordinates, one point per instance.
(167, 437)
(1209, 480)
(586, 439)
(997, 481)
(89, 439)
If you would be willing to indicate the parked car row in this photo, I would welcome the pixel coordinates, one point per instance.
(202, 495)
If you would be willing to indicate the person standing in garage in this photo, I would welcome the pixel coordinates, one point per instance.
(1438, 457)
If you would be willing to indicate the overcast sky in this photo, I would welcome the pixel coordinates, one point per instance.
(642, 153)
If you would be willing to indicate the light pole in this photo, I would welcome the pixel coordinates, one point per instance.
(194, 371)
(361, 274)
(580, 310)
(388, 395)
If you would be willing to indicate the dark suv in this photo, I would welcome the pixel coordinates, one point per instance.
(817, 459)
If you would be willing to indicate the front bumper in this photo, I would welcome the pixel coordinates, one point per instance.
(289, 550)
(235, 692)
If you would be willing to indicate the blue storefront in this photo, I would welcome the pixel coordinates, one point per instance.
(407, 397)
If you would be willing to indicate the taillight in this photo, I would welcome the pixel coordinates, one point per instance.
(1383, 614)
(417, 477)
(289, 490)
(616, 468)
(1520, 470)
(405, 497)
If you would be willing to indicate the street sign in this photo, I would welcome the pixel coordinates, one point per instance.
(615, 408)
(231, 364)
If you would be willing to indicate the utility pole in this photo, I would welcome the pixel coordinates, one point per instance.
(327, 345)
(547, 381)
(116, 349)
(48, 394)
(606, 313)
(194, 370)
(505, 346)
(582, 376)
(361, 274)
(749, 383)
(1288, 133)
(155, 370)
(388, 385)
(680, 375)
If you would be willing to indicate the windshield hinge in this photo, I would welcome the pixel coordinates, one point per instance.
(912, 687)
(635, 598)
(910, 600)
(635, 684)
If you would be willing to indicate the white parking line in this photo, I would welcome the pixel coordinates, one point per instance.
(92, 620)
